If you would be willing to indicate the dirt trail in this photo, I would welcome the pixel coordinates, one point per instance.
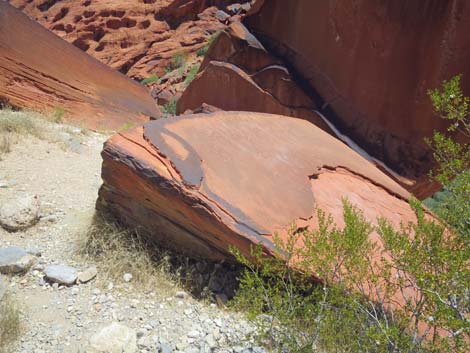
(66, 177)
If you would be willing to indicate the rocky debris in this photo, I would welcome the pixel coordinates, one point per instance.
(61, 274)
(212, 203)
(361, 61)
(239, 74)
(15, 260)
(19, 213)
(87, 275)
(115, 338)
(127, 277)
(41, 71)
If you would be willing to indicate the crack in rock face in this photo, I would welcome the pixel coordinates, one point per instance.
(255, 167)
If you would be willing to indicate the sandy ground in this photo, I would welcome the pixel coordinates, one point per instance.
(66, 177)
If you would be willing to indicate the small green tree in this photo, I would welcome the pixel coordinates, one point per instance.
(452, 156)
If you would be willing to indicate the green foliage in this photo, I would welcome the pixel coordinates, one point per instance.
(453, 156)
(203, 51)
(150, 79)
(170, 107)
(177, 62)
(339, 315)
(191, 75)
(58, 114)
(126, 126)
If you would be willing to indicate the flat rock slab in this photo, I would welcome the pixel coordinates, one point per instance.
(61, 274)
(204, 183)
(115, 338)
(15, 260)
(87, 275)
(19, 213)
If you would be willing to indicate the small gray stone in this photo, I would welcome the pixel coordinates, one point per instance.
(19, 213)
(222, 16)
(114, 338)
(15, 260)
(180, 295)
(165, 348)
(127, 277)
(61, 274)
(87, 275)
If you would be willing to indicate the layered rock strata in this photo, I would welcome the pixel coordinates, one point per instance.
(41, 71)
(203, 183)
(372, 62)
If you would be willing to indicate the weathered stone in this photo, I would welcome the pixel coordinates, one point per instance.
(268, 171)
(41, 71)
(61, 274)
(360, 58)
(87, 275)
(15, 260)
(114, 338)
(138, 38)
(19, 213)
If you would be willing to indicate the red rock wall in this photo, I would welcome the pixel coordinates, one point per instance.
(372, 61)
(39, 70)
(136, 37)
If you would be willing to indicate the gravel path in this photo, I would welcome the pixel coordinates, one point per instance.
(66, 177)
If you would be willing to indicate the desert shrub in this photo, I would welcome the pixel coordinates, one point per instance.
(177, 62)
(338, 314)
(9, 323)
(150, 79)
(203, 51)
(430, 257)
(170, 107)
(126, 126)
(191, 75)
(118, 251)
(452, 156)
(58, 114)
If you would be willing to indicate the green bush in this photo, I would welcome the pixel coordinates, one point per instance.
(150, 79)
(191, 75)
(203, 51)
(170, 107)
(431, 257)
(58, 114)
(177, 62)
(452, 156)
(338, 314)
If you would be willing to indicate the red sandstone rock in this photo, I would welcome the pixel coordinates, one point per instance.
(136, 37)
(203, 183)
(372, 63)
(239, 74)
(41, 71)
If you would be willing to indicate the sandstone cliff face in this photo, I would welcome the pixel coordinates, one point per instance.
(38, 70)
(136, 37)
(371, 62)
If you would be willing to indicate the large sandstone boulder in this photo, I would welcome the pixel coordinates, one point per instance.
(39, 70)
(372, 63)
(203, 183)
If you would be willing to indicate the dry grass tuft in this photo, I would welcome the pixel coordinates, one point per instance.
(15, 125)
(117, 251)
(9, 323)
